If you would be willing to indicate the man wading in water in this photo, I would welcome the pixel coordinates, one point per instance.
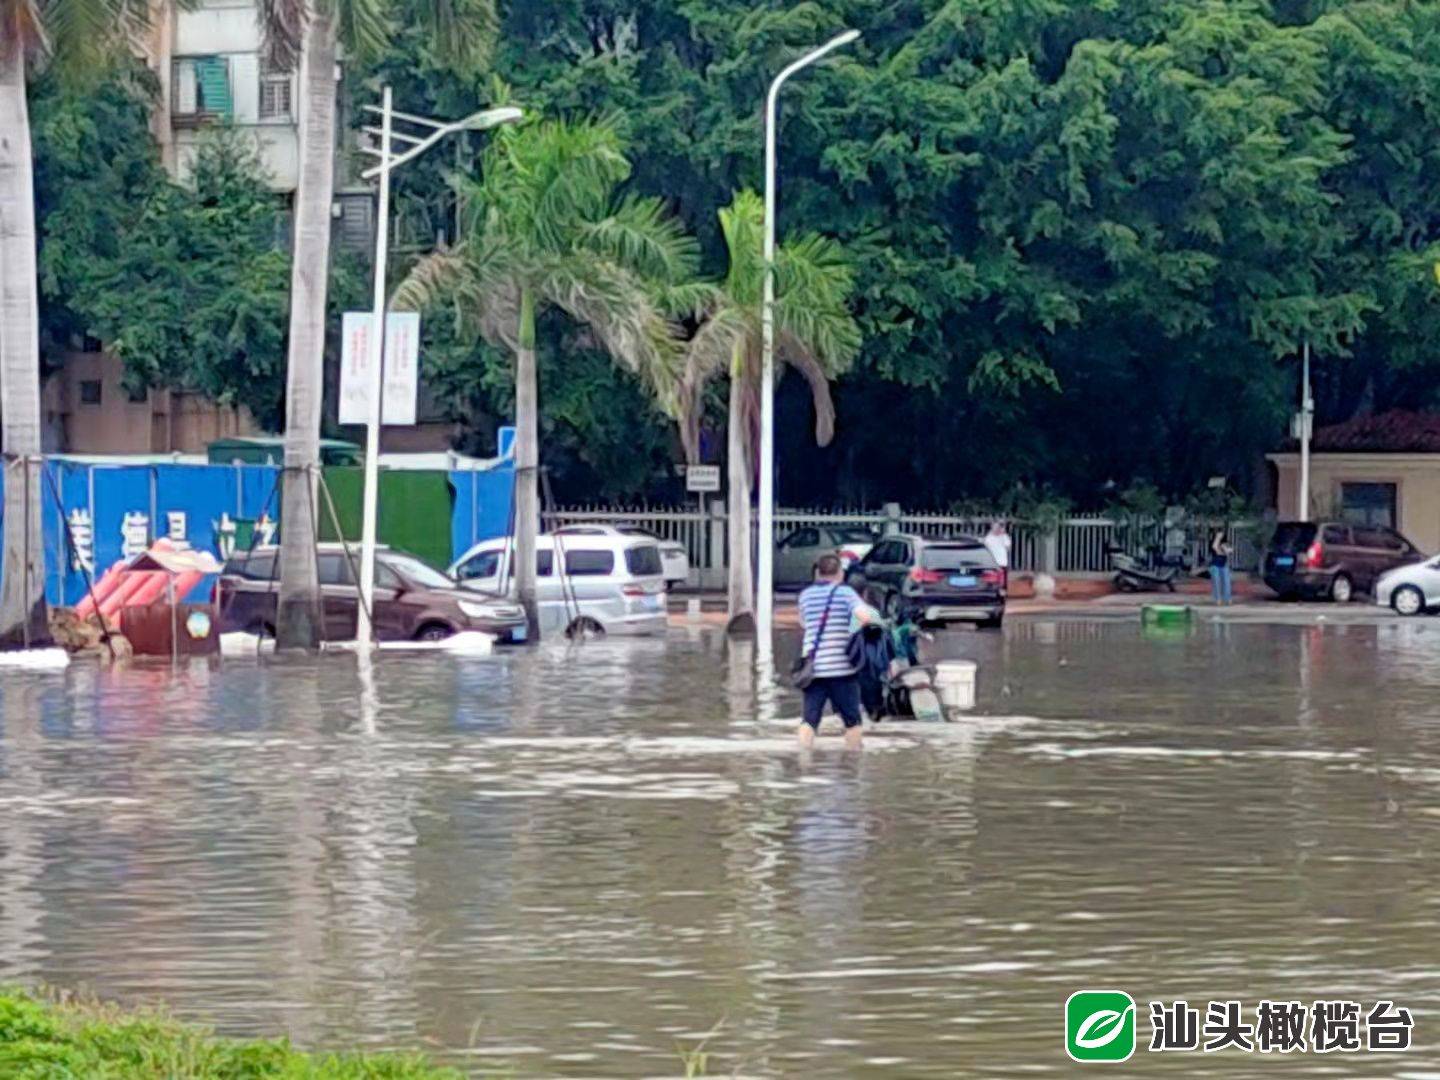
(835, 679)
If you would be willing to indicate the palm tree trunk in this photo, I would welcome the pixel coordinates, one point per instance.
(298, 621)
(527, 463)
(22, 573)
(741, 599)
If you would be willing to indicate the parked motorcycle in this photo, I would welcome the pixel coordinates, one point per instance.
(1133, 575)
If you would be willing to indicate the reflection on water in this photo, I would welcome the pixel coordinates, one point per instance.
(570, 861)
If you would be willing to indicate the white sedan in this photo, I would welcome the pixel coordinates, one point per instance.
(1410, 590)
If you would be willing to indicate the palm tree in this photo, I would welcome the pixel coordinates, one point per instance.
(814, 333)
(79, 34)
(312, 31)
(544, 228)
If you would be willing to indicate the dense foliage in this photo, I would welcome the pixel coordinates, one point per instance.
(1089, 236)
(188, 285)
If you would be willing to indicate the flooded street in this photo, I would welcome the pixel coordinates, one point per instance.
(574, 862)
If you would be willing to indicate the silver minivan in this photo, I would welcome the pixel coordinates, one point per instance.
(613, 584)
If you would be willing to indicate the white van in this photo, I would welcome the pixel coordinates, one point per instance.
(612, 584)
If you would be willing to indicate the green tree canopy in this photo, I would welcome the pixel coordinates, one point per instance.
(1089, 239)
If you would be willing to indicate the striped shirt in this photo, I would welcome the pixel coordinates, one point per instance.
(830, 660)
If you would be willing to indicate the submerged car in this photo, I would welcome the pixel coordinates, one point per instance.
(586, 583)
(674, 558)
(413, 600)
(933, 581)
(1410, 590)
(1332, 559)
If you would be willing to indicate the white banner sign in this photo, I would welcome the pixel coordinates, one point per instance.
(702, 478)
(402, 367)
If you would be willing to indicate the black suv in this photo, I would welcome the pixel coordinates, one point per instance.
(933, 581)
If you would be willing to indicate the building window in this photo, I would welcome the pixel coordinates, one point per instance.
(201, 90)
(137, 395)
(275, 94)
(1368, 504)
(89, 391)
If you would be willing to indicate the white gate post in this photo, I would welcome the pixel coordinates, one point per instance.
(716, 572)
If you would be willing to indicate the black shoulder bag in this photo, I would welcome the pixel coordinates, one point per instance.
(802, 673)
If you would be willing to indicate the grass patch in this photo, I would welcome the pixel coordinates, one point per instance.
(62, 1038)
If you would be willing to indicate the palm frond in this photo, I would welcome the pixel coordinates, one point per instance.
(484, 301)
(687, 299)
(434, 278)
(547, 179)
(82, 36)
(709, 352)
(464, 32)
(282, 31)
(615, 305)
(641, 234)
(813, 285)
(742, 224)
(815, 373)
(365, 25)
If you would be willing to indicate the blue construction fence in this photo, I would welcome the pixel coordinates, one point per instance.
(115, 511)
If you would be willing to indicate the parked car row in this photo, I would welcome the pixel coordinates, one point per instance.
(413, 600)
(609, 580)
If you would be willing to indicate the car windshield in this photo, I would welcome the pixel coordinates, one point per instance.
(854, 536)
(1293, 536)
(416, 572)
(972, 557)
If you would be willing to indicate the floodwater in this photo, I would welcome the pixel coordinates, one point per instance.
(578, 861)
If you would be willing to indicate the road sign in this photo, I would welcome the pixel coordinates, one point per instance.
(702, 478)
(402, 367)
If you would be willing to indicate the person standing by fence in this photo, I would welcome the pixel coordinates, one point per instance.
(1220, 553)
(998, 543)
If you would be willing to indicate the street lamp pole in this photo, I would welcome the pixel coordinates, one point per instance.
(765, 600)
(364, 631)
(1307, 411)
(415, 145)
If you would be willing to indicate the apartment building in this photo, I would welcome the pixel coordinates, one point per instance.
(208, 59)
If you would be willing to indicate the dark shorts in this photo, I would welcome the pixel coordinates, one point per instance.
(843, 693)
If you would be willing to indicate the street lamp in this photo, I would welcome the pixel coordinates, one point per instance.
(415, 145)
(1307, 414)
(765, 601)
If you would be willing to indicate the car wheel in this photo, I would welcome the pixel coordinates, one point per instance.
(584, 627)
(892, 607)
(1408, 600)
(1342, 589)
(433, 632)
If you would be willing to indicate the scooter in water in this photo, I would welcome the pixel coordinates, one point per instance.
(1132, 575)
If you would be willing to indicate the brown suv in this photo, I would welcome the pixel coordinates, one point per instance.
(1333, 559)
(413, 601)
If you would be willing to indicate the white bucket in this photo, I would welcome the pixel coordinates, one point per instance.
(955, 683)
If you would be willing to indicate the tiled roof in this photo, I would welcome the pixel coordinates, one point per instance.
(1396, 432)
